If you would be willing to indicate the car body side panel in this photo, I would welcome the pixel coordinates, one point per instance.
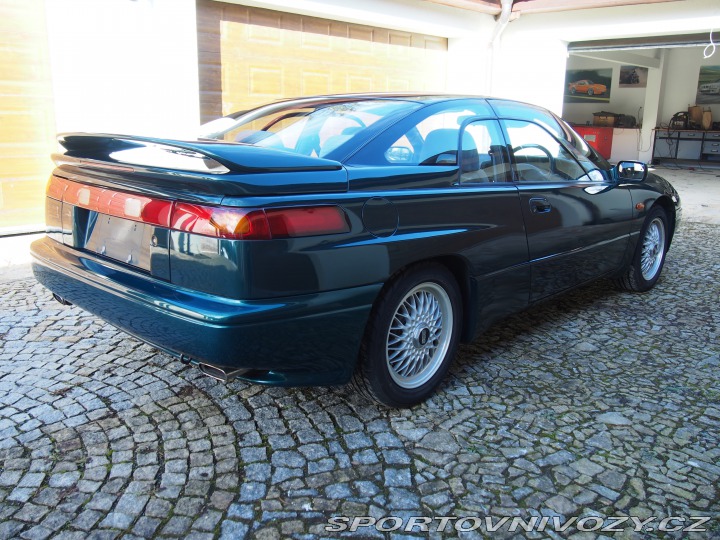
(479, 223)
(583, 235)
(269, 269)
(648, 193)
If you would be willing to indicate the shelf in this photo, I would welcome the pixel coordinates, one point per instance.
(683, 144)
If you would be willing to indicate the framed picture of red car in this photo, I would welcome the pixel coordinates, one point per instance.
(587, 85)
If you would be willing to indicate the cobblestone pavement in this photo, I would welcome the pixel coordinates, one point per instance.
(597, 404)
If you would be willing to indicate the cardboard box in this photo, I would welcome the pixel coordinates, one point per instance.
(696, 113)
(604, 120)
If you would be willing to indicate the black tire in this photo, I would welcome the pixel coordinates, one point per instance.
(644, 271)
(590, 92)
(411, 337)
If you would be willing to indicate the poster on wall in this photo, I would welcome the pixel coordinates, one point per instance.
(708, 85)
(587, 85)
(633, 77)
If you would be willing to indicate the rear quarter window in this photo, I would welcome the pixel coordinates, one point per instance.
(428, 137)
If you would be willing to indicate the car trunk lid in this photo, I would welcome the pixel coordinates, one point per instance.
(121, 197)
(197, 168)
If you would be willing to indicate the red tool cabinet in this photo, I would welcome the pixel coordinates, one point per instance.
(600, 138)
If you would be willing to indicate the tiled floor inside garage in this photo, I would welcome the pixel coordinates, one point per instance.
(599, 404)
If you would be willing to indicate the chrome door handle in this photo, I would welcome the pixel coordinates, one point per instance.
(540, 205)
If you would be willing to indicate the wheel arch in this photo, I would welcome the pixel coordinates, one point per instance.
(459, 267)
(667, 205)
(372, 376)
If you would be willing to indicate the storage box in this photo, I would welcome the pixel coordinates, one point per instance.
(604, 119)
(696, 113)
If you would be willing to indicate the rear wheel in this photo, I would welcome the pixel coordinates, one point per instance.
(649, 257)
(590, 92)
(411, 338)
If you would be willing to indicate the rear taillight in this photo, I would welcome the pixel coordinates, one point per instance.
(220, 222)
(216, 221)
(242, 224)
(56, 187)
(110, 202)
(306, 221)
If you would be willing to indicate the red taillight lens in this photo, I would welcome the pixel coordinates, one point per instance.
(110, 202)
(215, 221)
(242, 224)
(310, 221)
(220, 222)
(56, 187)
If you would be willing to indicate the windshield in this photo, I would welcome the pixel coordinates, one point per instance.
(313, 130)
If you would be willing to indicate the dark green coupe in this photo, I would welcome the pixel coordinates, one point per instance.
(315, 240)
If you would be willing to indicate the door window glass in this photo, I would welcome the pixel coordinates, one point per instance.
(483, 157)
(539, 157)
(432, 141)
(530, 113)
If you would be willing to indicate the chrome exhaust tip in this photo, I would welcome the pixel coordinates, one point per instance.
(219, 373)
(61, 300)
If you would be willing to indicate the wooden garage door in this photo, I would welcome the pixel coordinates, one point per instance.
(251, 56)
(27, 121)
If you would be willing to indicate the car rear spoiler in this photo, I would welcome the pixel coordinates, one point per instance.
(211, 157)
(206, 171)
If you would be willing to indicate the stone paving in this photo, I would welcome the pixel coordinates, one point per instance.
(594, 405)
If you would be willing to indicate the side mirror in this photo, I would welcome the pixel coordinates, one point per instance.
(633, 171)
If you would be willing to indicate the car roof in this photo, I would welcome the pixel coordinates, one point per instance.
(419, 97)
(423, 98)
(328, 99)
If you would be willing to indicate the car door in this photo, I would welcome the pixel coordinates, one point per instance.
(577, 221)
(444, 176)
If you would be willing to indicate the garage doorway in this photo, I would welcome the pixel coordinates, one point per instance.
(250, 56)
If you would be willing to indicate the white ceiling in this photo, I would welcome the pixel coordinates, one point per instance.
(493, 7)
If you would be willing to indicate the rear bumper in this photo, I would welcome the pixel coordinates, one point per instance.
(303, 340)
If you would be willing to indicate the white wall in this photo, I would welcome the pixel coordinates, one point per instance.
(680, 81)
(530, 67)
(622, 100)
(470, 64)
(124, 66)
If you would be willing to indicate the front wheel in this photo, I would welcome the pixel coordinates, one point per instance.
(649, 257)
(590, 92)
(411, 337)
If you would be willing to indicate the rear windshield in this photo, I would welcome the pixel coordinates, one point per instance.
(312, 131)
